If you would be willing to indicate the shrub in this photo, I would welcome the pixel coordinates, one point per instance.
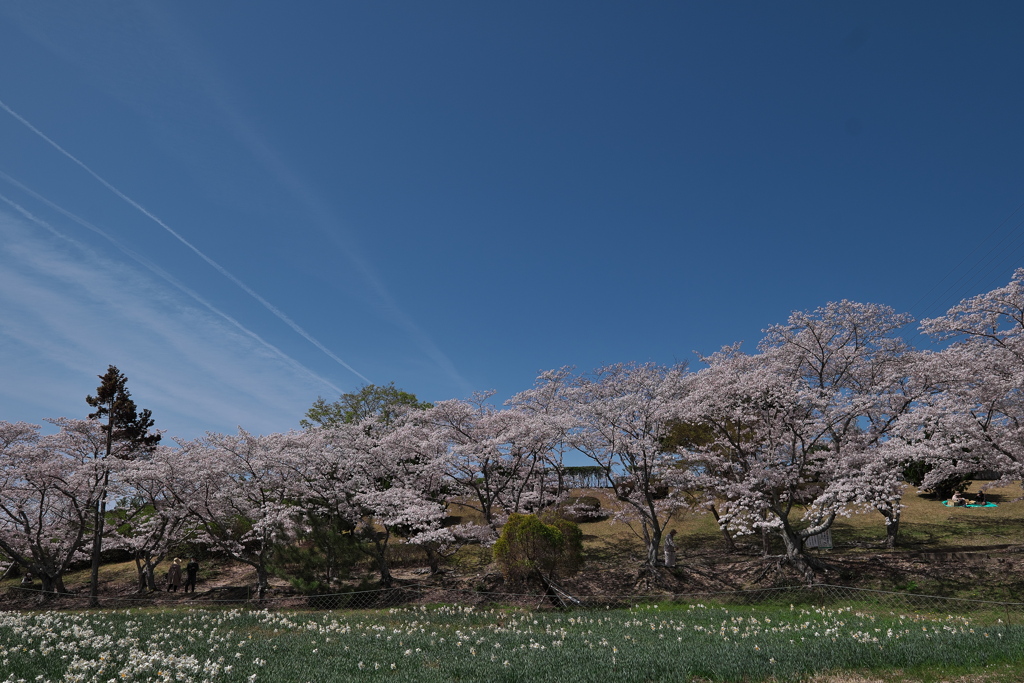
(530, 548)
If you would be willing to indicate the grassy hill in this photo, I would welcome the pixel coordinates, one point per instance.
(964, 552)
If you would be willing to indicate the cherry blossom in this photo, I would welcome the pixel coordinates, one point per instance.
(616, 416)
(798, 428)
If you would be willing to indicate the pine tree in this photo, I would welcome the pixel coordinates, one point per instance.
(127, 436)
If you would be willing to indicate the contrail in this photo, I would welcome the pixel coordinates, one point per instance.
(219, 268)
(154, 269)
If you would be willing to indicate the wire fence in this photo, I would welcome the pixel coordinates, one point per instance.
(417, 594)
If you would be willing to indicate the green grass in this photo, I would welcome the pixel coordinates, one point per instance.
(926, 526)
(652, 643)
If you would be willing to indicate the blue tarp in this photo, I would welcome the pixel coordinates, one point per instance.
(969, 505)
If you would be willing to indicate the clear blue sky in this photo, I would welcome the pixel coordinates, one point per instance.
(261, 202)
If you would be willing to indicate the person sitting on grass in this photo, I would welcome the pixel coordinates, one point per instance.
(958, 499)
(980, 498)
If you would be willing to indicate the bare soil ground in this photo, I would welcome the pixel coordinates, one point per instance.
(956, 552)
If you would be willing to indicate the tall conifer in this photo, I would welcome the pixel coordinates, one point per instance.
(128, 436)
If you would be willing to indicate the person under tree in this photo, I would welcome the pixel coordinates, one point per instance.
(191, 572)
(174, 576)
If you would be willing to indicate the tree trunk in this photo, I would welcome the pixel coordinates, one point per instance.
(380, 554)
(892, 527)
(433, 559)
(795, 554)
(262, 579)
(51, 584)
(729, 543)
(794, 541)
(653, 539)
(140, 569)
(97, 537)
(385, 571)
(146, 568)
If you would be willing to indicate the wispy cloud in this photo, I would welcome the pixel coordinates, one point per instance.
(321, 217)
(140, 55)
(151, 267)
(67, 312)
(202, 71)
(216, 266)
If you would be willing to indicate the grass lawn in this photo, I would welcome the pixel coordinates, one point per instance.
(926, 525)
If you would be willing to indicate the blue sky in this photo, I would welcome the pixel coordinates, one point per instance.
(245, 205)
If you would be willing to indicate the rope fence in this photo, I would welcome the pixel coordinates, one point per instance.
(413, 594)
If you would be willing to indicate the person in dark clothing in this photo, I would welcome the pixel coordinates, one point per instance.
(191, 571)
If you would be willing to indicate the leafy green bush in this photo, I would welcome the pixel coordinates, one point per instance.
(530, 548)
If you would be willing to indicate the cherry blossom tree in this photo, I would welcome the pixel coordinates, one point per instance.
(909, 382)
(976, 421)
(617, 417)
(766, 446)
(317, 478)
(381, 476)
(496, 458)
(49, 487)
(235, 488)
(149, 520)
(421, 453)
(391, 477)
(796, 427)
(540, 412)
(377, 467)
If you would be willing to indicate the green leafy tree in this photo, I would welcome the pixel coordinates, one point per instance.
(321, 554)
(128, 435)
(535, 549)
(382, 403)
(376, 409)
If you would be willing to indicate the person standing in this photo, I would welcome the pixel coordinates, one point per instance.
(174, 576)
(670, 549)
(191, 571)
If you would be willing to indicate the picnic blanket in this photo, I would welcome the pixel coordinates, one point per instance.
(969, 505)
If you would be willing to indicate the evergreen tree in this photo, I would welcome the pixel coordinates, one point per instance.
(128, 435)
(539, 549)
